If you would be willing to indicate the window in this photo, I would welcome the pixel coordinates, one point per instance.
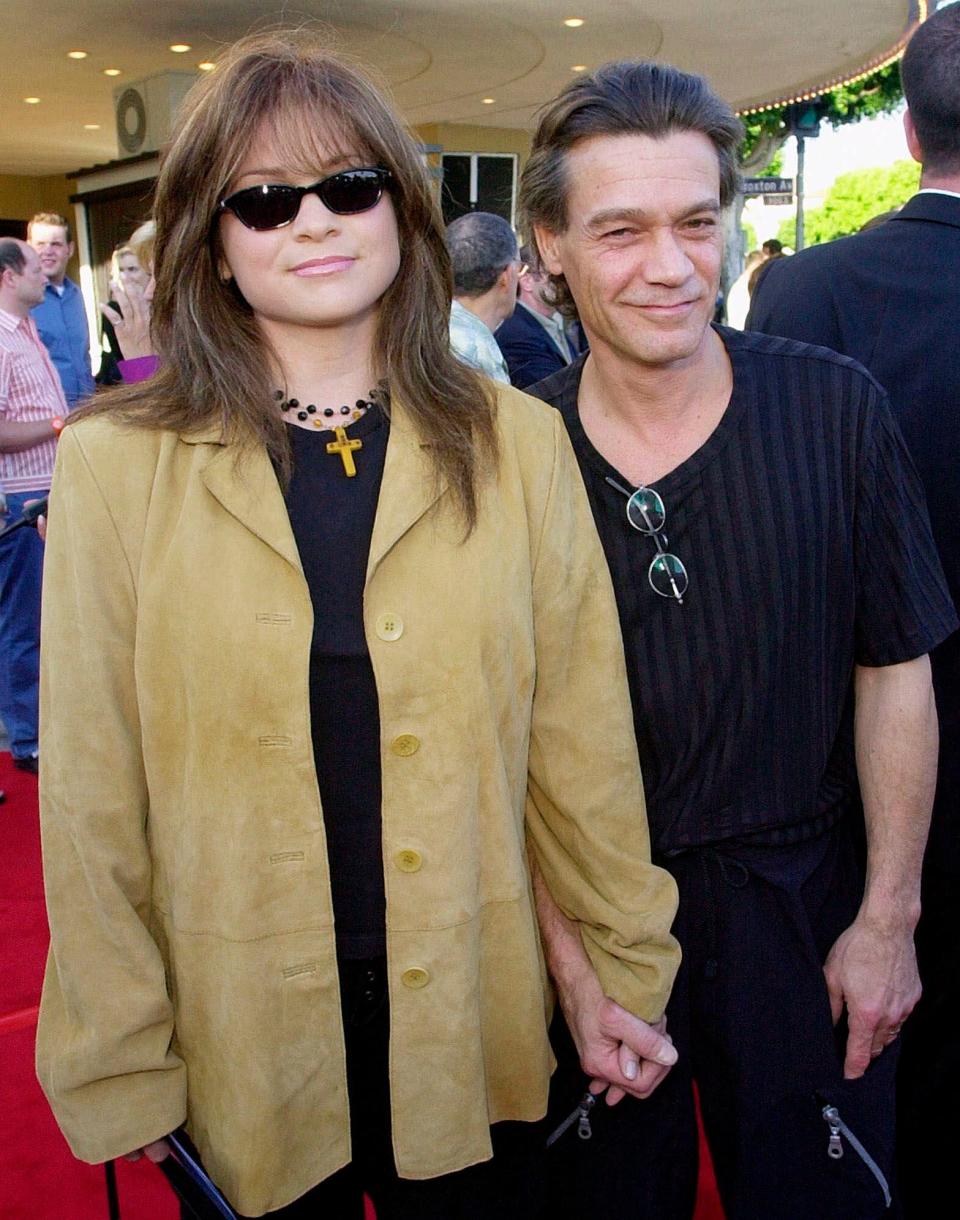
(479, 182)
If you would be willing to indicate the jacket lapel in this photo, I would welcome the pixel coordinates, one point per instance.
(249, 491)
(246, 486)
(409, 488)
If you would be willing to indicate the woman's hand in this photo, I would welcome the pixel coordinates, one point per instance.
(132, 324)
(158, 1151)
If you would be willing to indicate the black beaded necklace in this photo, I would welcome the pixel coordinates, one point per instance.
(331, 419)
(361, 406)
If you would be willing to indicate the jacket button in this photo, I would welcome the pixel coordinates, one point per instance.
(408, 860)
(405, 745)
(389, 627)
(415, 978)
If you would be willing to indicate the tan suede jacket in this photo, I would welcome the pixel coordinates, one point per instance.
(192, 972)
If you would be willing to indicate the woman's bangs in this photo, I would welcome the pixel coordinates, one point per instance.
(313, 139)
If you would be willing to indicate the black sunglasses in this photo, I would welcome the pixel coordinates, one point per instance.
(275, 204)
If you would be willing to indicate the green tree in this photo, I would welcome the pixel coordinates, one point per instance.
(853, 200)
(775, 167)
(766, 132)
(878, 93)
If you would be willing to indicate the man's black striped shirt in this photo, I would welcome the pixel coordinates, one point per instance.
(802, 524)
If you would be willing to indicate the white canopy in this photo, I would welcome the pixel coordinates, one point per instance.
(441, 57)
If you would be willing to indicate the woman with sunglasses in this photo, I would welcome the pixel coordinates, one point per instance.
(328, 640)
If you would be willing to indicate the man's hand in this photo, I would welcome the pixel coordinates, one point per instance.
(616, 1048)
(158, 1151)
(132, 324)
(872, 971)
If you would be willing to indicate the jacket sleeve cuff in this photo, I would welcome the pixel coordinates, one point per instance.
(639, 981)
(109, 1118)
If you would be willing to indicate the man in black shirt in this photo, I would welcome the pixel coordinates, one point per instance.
(778, 591)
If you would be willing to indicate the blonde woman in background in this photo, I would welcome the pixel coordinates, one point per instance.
(129, 279)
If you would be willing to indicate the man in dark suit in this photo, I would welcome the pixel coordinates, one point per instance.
(535, 341)
(890, 298)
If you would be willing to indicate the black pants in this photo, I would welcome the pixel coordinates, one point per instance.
(929, 1075)
(508, 1187)
(751, 1019)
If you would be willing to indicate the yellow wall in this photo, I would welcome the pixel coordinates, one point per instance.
(462, 137)
(21, 196)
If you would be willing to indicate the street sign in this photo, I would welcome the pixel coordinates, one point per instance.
(777, 200)
(768, 186)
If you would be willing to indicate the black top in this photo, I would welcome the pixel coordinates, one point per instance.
(109, 373)
(802, 525)
(332, 518)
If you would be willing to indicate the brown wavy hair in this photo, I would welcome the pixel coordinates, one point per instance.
(213, 358)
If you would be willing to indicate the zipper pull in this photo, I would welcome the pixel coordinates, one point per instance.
(580, 1116)
(584, 1129)
(831, 1116)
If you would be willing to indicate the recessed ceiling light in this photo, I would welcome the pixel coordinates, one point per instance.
(578, 67)
(573, 23)
(91, 127)
(488, 101)
(31, 101)
(76, 55)
(206, 66)
(111, 72)
(179, 48)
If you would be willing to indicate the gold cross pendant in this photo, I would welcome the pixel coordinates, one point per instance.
(344, 446)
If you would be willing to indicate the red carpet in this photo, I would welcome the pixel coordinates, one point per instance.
(39, 1178)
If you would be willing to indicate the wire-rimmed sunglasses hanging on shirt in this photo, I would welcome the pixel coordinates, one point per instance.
(646, 513)
(275, 204)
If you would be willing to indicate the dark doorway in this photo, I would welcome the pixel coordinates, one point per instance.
(478, 182)
(112, 215)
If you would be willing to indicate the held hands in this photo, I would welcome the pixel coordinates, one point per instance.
(616, 1048)
(872, 969)
(132, 323)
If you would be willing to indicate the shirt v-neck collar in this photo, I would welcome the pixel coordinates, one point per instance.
(689, 470)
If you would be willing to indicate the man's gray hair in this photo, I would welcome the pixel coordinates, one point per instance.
(481, 247)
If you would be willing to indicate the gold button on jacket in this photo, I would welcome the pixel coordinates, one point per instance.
(409, 861)
(389, 627)
(193, 975)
